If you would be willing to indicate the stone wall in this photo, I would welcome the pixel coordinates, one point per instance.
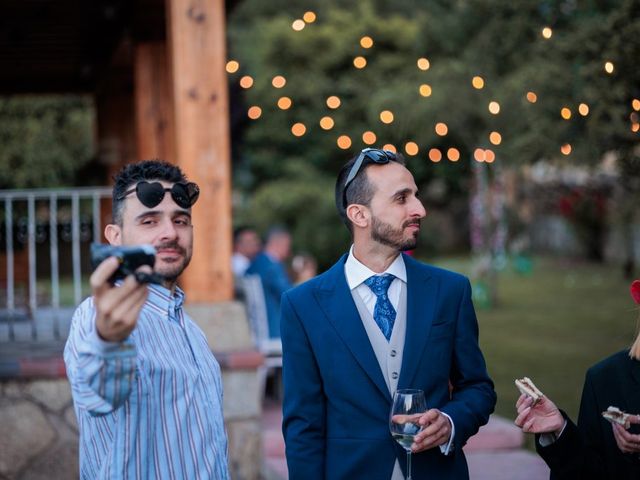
(39, 431)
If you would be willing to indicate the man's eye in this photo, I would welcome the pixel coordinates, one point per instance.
(182, 221)
(148, 221)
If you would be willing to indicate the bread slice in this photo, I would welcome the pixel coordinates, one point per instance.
(527, 387)
(614, 414)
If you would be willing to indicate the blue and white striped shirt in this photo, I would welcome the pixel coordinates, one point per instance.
(149, 407)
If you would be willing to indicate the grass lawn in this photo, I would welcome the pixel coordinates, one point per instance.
(551, 326)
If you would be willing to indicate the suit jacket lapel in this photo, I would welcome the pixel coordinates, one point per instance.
(422, 293)
(334, 297)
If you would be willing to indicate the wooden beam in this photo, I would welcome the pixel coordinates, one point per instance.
(197, 57)
(154, 108)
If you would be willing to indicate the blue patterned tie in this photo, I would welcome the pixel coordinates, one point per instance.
(383, 313)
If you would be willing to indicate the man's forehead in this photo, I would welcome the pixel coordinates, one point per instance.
(390, 176)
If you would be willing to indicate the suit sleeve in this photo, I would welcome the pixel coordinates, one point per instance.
(304, 405)
(473, 397)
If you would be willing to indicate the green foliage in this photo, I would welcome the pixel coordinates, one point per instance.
(44, 141)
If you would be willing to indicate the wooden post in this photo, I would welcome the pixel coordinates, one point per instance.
(154, 108)
(197, 57)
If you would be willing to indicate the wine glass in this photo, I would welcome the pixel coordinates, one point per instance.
(408, 406)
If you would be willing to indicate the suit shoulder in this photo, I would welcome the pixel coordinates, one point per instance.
(304, 289)
(610, 365)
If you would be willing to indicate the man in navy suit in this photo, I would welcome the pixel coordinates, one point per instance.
(347, 346)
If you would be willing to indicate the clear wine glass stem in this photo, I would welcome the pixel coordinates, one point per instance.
(408, 464)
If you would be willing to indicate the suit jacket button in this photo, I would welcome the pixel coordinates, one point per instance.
(394, 375)
(393, 353)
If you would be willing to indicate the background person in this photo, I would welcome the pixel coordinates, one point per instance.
(146, 388)
(347, 346)
(246, 245)
(593, 449)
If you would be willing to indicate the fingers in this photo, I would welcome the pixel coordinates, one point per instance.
(522, 417)
(117, 309)
(436, 431)
(627, 442)
(99, 278)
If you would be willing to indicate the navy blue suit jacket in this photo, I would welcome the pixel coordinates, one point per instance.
(336, 403)
(275, 282)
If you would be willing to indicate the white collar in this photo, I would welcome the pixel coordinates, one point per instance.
(356, 272)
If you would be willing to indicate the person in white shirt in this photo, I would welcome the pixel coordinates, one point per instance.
(246, 245)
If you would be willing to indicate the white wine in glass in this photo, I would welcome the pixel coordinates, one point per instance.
(408, 406)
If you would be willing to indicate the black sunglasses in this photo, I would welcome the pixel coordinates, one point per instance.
(375, 155)
(151, 194)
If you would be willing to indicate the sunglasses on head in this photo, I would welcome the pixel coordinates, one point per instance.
(151, 194)
(374, 155)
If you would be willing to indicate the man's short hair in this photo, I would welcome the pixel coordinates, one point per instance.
(360, 190)
(132, 173)
(241, 230)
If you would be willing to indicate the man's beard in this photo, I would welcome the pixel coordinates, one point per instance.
(171, 272)
(387, 235)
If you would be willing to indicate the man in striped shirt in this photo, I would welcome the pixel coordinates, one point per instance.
(147, 390)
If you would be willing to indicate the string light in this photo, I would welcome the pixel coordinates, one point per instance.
(298, 25)
(479, 154)
(278, 81)
(284, 103)
(232, 66)
(411, 148)
(635, 127)
(390, 147)
(254, 112)
(246, 81)
(309, 17)
(583, 109)
(366, 42)
(333, 102)
(565, 113)
(344, 142)
(441, 129)
(477, 82)
(423, 64)
(532, 97)
(425, 90)
(608, 67)
(547, 32)
(298, 129)
(494, 107)
(489, 156)
(386, 116)
(495, 138)
(453, 154)
(435, 155)
(369, 137)
(635, 104)
(359, 62)
(566, 149)
(326, 123)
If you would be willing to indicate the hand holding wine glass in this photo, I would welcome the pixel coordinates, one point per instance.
(406, 411)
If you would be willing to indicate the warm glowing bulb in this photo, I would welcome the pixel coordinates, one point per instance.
(565, 149)
(344, 142)
(532, 97)
(386, 116)
(309, 17)
(489, 156)
(565, 113)
(423, 64)
(635, 104)
(278, 81)
(494, 107)
(547, 32)
(366, 42)
(441, 129)
(479, 154)
(298, 129)
(411, 148)
(390, 147)
(246, 81)
(495, 138)
(477, 82)
(453, 154)
(333, 102)
(369, 137)
(608, 67)
(254, 112)
(298, 25)
(232, 66)
(583, 109)
(326, 123)
(284, 103)
(635, 127)
(359, 62)
(425, 90)
(435, 155)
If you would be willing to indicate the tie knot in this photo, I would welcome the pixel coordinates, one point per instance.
(379, 284)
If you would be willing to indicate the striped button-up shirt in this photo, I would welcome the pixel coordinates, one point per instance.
(149, 407)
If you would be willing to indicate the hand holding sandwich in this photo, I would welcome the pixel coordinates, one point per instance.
(543, 417)
(627, 442)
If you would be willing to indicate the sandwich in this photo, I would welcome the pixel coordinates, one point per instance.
(527, 387)
(614, 414)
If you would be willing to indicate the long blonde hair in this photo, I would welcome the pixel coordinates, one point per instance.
(635, 348)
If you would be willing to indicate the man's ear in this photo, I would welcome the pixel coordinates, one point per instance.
(113, 234)
(358, 214)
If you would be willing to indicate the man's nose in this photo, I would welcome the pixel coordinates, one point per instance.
(418, 209)
(169, 230)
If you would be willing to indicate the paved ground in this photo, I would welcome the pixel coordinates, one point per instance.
(495, 453)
